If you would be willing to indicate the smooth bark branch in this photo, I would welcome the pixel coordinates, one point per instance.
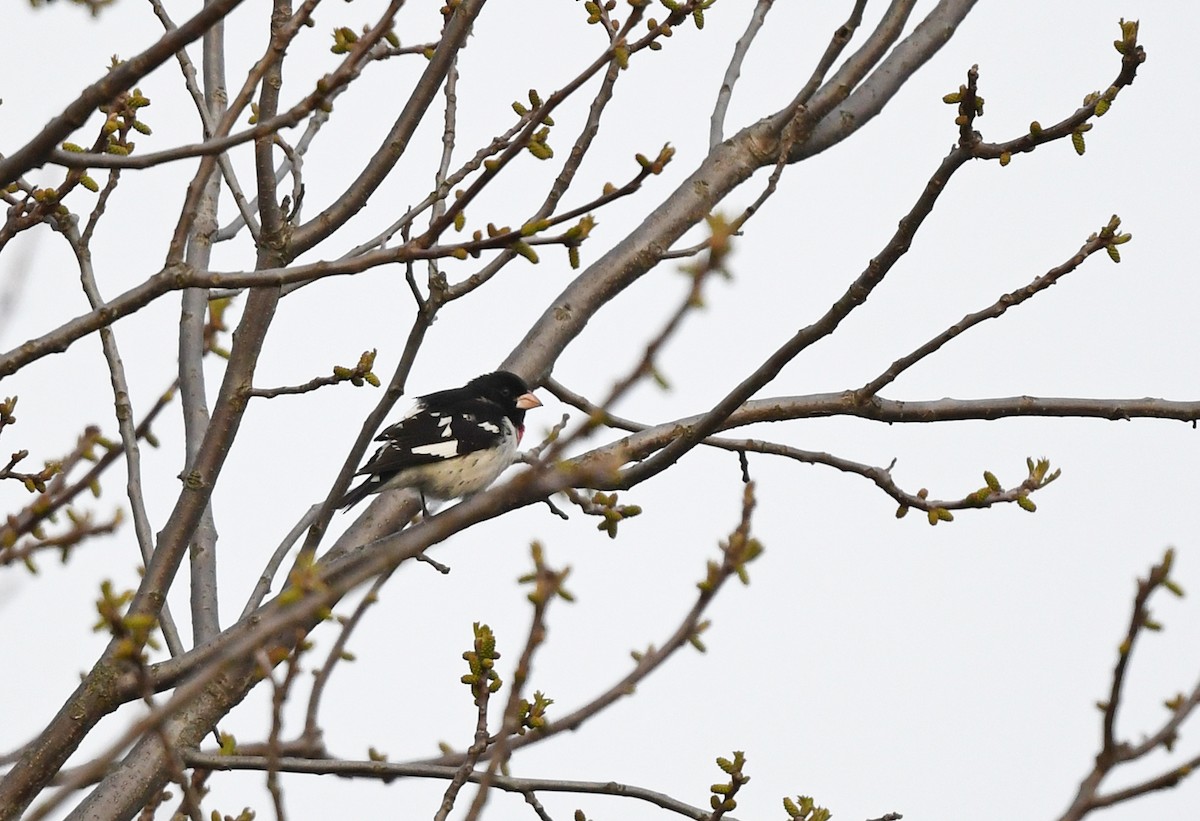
(716, 128)
(129, 437)
(194, 306)
(885, 81)
(208, 119)
(725, 168)
(817, 98)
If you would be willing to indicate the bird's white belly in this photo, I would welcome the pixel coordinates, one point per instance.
(460, 476)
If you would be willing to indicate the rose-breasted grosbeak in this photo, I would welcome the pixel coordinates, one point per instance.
(452, 443)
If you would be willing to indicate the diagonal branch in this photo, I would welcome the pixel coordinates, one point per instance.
(1114, 752)
(1096, 242)
(725, 168)
(854, 296)
(357, 193)
(869, 98)
(36, 151)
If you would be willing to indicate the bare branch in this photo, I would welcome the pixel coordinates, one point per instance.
(312, 731)
(869, 98)
(359, 375)
(129, 437)
(561, 183)
(387, 771)
(273, 564)
(59, 495)
(75, 114)
(726, 167)
(210, 107)
(852, 298)
(481, 689)
(395, 143)
(47, 753)
(1114, 752)
(192, 338)
(547, 586)
(737, 551)
(1097, 242)
(716, 127)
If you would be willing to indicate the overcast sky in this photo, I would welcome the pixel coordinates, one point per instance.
(878, 664)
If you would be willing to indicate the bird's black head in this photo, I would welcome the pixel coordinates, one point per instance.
(505, 389)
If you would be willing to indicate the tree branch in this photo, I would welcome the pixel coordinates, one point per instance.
(75, 114)
(396, 142)
(885, 81)
(387, 771)
(716, 127)
(1114, 752)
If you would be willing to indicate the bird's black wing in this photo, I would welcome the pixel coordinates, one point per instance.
(435, 432)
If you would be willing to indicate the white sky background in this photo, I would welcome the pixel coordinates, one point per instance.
(879, 665)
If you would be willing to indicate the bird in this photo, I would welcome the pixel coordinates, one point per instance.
(451, 443)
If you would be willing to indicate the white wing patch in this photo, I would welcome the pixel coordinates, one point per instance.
(443, 422)
(441, 450)
(460, 475)
(489, 427)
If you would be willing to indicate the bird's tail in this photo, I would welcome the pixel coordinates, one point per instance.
(357, 494)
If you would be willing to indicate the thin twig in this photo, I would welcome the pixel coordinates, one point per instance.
(380, 165)
(281, 36)
(645, 663)
(312, 731)
(1114, 752)
(532, 800)
(562, 182)
(129, 437)
(716, 128)
(119, 78)
(268, 575)
(387, 771)
(209, 107)
(292, 390)
(467, 768)
(279, 695)
(61, 495)
(1097, 242)
(547, 586)
(880, 476)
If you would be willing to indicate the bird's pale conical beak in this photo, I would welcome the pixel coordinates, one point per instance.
(527, 400)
